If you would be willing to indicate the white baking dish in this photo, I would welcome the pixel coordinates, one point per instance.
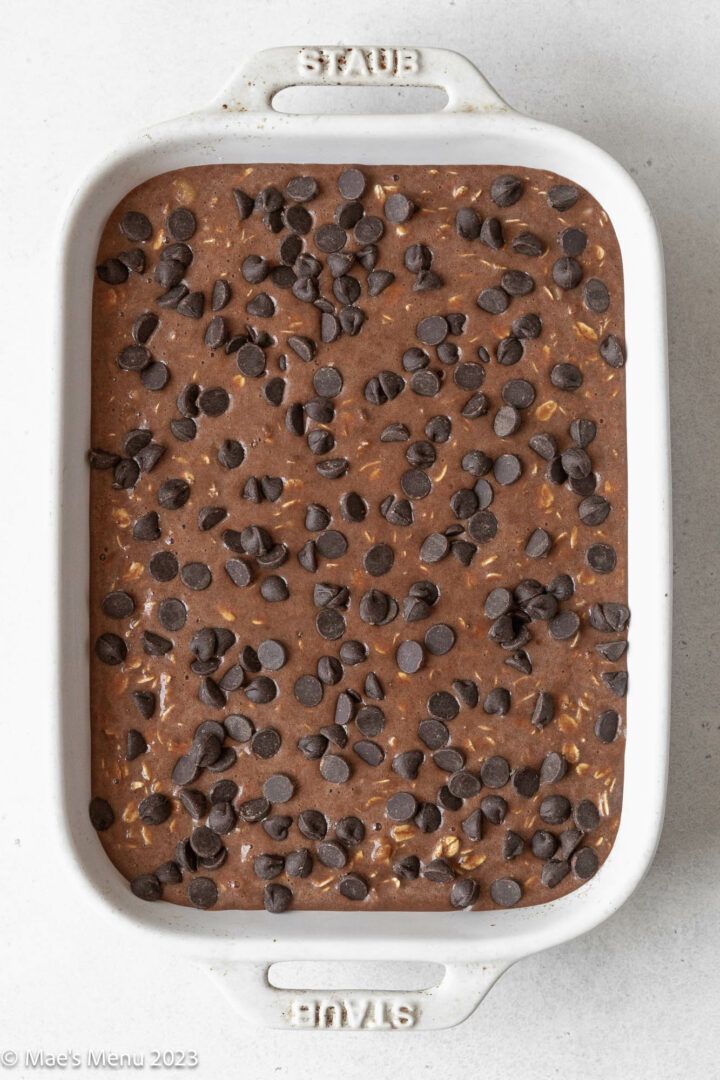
(475, 127)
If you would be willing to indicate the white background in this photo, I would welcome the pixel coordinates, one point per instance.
(638, 998)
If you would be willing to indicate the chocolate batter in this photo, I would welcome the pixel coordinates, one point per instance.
(358, 537)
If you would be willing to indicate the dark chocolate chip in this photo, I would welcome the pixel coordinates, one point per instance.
(612, 351)
(101, 814)
(601, 558)
(334, 769)
(538, 544)
(407, 763)
(554, 809)
(566, 377)
(505, 190)
(110, 649)
(596, 296)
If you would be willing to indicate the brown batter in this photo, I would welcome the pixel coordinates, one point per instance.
(569, 669)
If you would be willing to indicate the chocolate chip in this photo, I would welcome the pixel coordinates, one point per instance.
(298, 219)
(184, 429)
(265, 743)
(601, 558)
(171, 299)
(526, 781)
(612, 351)
(351, 184)
(563, 196)
(101, 814)
(308, 691)
(277, 827)
(612, 650)
(553, 872)
(118, 605)
(369, 230)
(353, 887)
(438, 871)
(181, 224)
(398, 208)
(517, 283)
(110, 649)
(566, 377)
(268, 866)
(506, 422)
(262, 306)
(133, 259)
(472, 826)
(449, 759)
(443, 705)
(506, 190)
(370, 752)
(439, 639)
(378, 560)
(554, 809)
(173, 494)
(407, 763)
(334, 769)
(483, 526)
(507, 468)
(573, 241)
(553, 768)
(495, 772)
(136, 226)
(467, 223)
(527, 243)
(616, 682)
(495, 301)
(596, 296)
(135, 744)
(155, 809)
(505, 892)
(278, 788)
(498, 602)
(155, 376)
(428, 818)
(172, 613)
(433, 733)
(196, 576)
(464, 785)
(410, 657)
(332, 854)
(494, 808)
(112, 272)
(378, 281)
(593, 510)
(543, 844)
(432, 330)
(261, 690)
(538, 544)
(298, 864)
(274, 589)
(146, 887)
(144, 701)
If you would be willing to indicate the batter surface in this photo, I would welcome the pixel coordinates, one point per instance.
(358, 537)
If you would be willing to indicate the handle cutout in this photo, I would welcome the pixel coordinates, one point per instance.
(351, 100)
(360, 975)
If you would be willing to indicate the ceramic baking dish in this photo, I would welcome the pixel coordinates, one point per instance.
(475, 127)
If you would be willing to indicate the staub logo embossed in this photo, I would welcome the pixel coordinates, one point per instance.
(374, 63)
(353, 1014)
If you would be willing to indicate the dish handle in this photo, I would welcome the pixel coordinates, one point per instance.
(249, 990)
(253, 87)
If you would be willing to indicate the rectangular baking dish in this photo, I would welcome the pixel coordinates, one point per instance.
(475, 127)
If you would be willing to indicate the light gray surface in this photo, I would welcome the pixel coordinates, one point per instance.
(636, 998)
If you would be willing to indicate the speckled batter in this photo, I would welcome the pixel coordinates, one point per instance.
(570, 670)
